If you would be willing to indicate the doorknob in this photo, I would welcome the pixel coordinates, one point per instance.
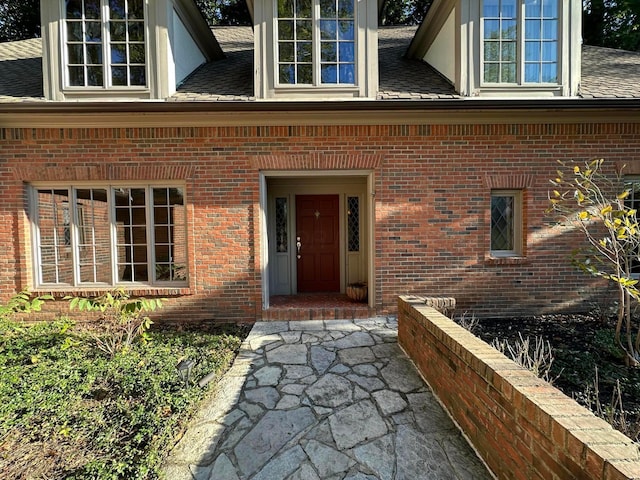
(298, 245)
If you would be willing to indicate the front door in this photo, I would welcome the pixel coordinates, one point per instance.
(317, 242)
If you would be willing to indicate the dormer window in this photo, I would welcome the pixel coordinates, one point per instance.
(520, 41)
(105, 43)
(316, 42)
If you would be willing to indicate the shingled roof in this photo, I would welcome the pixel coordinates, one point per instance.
(606, 73)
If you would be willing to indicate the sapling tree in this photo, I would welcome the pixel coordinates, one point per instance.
(599, 205)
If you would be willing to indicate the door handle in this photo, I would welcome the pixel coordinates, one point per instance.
(298, 245)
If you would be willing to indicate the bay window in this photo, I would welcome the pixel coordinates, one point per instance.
(520, 41)
(109, 235)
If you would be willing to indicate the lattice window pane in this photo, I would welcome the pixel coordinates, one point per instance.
(353, 224)
(282, 239)
(502, 226)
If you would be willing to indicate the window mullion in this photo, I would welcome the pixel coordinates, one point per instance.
(75, 254)
(316, 39)
(106, 44)
(111, 200)
(521, 44)
(151, 239)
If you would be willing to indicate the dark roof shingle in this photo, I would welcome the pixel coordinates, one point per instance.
(606, 73)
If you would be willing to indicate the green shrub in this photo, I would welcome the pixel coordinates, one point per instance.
(121, 319)
(68, 411)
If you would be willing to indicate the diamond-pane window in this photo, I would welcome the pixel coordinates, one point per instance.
(505, 223)
(353, 223)
(282, 239)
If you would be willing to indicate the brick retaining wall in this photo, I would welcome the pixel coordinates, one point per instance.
(521, 426)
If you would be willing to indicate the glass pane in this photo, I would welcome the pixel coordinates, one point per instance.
(74, 31)
(492, 29)
(285, 51)
(550, 8)
(502, 223)
(285, 29)
(286, 74)
(532, 51)
(347, 74)
(76, 76)
(508, 9)
(491, 73)
(303, 8)
(76, 55)
(491, 52)
(509, 52)
(162, 253)
(285, 8)
(549, 73)
(73, 9)
(94, 76)
(92, 9)
(345, 8)
(353, 224)
(93, 32)
(549, 51)
(119, 76)
(137, 76)
(550, 29)
(136, 9)
(304, 30)
(118, 53)
(491, 8)
(509, 30)
(329, 73)
(508, 74)
(532, 8)
(532, 72)
(118, 31)
(532, 29)
(117, 9)
(347, 52)
(136, 31)
(94, 54)
(328, 52)
(328, 29)
(327, 8)
(136, 53)
(304, 51)
(345, 31)
(282, 222)
(305, 74)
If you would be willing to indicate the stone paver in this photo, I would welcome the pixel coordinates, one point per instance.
(323, 400)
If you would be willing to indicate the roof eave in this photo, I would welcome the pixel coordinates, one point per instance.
(449, 111)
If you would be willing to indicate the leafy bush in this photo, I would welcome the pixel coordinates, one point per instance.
(68, 411)
(22, 302)
(121, 319)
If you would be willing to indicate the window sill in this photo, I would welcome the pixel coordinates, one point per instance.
(512, 260)
(136, 291)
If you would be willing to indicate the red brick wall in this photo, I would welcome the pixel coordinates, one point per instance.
(522, 427)
(432, 192)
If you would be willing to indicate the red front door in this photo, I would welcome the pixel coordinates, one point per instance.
(317, 225)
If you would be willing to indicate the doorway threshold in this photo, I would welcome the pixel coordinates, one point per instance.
(315, 306)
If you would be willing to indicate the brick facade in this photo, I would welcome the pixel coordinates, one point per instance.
(432, 196)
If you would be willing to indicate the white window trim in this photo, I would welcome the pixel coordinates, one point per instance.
(109, 186)
(518, 227)
(520, 55)
(106, 53)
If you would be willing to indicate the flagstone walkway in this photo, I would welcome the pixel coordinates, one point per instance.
(323, 400)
